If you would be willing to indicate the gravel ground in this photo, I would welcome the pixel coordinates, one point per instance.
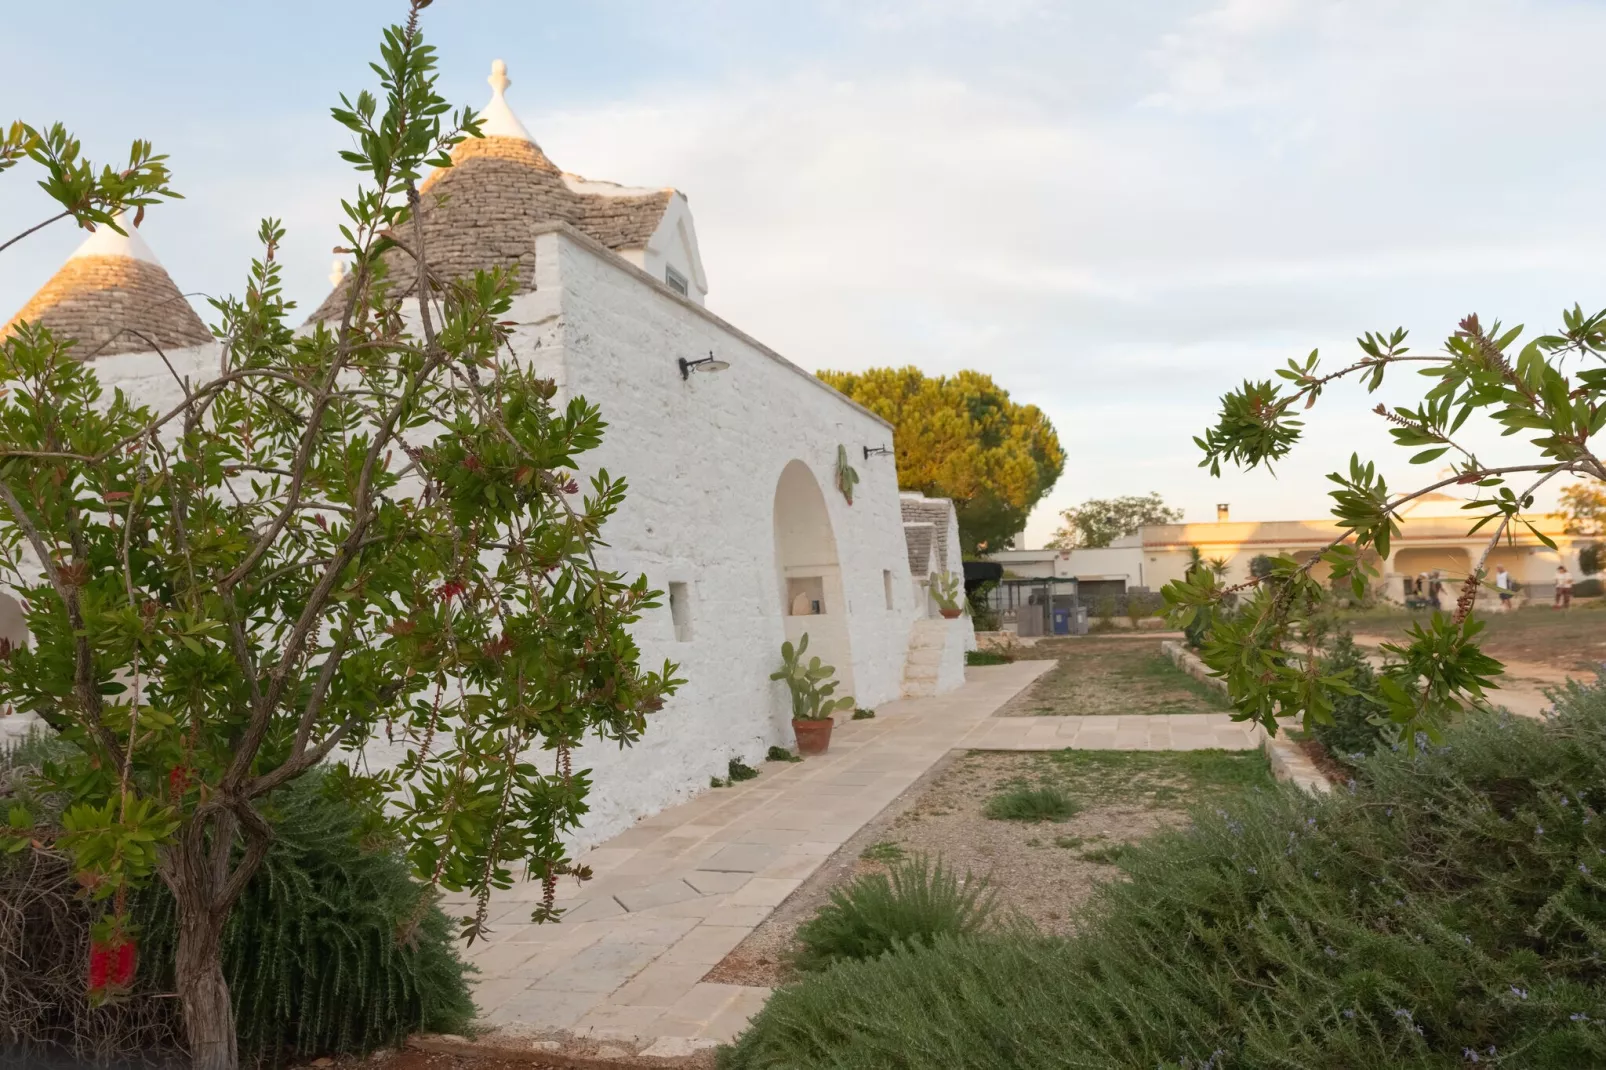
(1042, 872)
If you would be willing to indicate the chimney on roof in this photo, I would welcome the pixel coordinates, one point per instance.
(1221, 512)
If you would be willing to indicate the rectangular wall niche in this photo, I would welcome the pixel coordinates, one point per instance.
(805, 596)
(680, 610)
(886, 585)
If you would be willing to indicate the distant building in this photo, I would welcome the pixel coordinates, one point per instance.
(1433, 536)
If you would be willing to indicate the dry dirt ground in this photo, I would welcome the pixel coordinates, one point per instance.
(1041, 872)
(1572, 640)
(1108, 677)
(454, 1053)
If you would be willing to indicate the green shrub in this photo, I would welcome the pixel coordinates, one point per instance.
(1104, 610)
(982, 615)
(988, 657)
(1351, 736)
(1021, 803)
(1591, 559)
(862, 713)
(329, 949)
(912, 905)
(1450, 904)
(739, 772)
(1587, 588)
(781, 754)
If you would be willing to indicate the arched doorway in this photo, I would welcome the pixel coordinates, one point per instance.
(808, 572)
(1453, 563)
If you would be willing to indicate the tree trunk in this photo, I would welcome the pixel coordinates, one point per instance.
(198, 965)
(202, 990)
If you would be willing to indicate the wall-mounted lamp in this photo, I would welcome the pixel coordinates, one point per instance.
(709, 363)
(877, 451)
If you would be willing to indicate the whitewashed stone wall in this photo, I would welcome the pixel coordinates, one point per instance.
(703, 458)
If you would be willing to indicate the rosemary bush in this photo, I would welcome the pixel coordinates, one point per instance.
(1446, 910)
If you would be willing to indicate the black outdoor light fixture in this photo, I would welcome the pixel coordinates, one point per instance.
(709, 363)
(877, 451)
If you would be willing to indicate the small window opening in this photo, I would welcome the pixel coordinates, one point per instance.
(886, 585)
(675, 281)
(680, 610)
(805, 596)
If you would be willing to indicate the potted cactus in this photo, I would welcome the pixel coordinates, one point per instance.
(946, 590)
(811, 684)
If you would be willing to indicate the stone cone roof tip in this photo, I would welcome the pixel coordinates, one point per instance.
(478, 213)
(113, 296)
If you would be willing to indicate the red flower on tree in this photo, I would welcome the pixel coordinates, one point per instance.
(112, 963)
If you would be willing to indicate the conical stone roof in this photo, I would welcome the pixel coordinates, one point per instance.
(480, 212)
(113, 296)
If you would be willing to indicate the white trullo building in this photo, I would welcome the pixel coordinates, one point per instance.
(733, 507)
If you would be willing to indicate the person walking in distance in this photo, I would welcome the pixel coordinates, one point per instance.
(1502, 584)
(1435, 588)
(1564, 588)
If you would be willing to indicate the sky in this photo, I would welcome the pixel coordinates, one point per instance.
(1118, 211)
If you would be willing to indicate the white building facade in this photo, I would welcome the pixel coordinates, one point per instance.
(733, 508)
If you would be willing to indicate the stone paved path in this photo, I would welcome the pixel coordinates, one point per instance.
(677, 892)
(1165, 731)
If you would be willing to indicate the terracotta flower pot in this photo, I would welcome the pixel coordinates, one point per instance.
(813, 737)
(951, 614)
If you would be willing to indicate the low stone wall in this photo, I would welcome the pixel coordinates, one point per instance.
(1288, 762)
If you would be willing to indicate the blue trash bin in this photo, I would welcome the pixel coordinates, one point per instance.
(1062, 622)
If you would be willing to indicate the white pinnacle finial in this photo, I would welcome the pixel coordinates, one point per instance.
(498, 120)
(337, 273)
(107, 242)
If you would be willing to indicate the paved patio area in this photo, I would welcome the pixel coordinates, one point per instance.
(677, 892)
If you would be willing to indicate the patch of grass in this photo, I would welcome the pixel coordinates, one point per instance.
(987, 657)
(1165, 778)
(913, 905)
(1069, 842)
(1115, 677)
(740, 772)
(1107, 853)
(715, 782)
(781, 754)
(862, 714)
(1162, 671)
(885, 852)
(1022, 803)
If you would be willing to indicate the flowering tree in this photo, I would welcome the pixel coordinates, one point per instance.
(1265, 651)
(369, 529)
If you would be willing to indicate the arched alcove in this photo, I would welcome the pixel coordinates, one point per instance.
(13, 628)
(808, 573)
(1453, 562)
